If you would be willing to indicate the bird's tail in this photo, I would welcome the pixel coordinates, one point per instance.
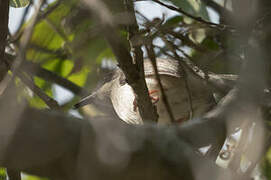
(87, 100)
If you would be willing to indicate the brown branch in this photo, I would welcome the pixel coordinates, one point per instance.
(152, 57)
(185, 69)
(4, 12)
(34, 69)
(50, 102)
(146, 108)
(70, 146)
(133, 37)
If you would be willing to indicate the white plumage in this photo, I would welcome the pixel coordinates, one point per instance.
(122, 96)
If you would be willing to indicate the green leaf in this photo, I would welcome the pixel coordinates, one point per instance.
(18, 3)
(174, 21)
(31, 177)
(46, 87)
(48, 35)
(210, 44)
(193, 7)
(80, 77)
(2, 173)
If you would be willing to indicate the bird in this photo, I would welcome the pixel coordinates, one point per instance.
(189, 97)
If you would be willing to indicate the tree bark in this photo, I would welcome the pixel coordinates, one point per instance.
(4, 14)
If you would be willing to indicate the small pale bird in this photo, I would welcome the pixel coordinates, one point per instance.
(116, 96)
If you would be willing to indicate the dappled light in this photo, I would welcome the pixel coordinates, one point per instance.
(135, 89)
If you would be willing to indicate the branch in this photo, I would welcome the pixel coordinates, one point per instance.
(223, 12)
(61, 147)
(133, 77)
(22, 50)
(199, 19)
(152, 57)
(137, 55)
(35, 70)
(4, 12)
(50, 102)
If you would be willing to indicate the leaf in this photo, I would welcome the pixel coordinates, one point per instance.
(46, 87)
(174, 21)
(193, 7)
(46, 37)
(210, 43)
(80, 77)
(31, 177)
(18, 3)
(2, 173)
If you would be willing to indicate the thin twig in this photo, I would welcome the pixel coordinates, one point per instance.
(50, 102)
(187, 90)
(34, 69)
(49, 10)
(184, 68)
(18, 32)
(22, 51)
(223, 12)
(199, 19)
(186, 41)
(58, 52)
(41, 16)
(151, 55)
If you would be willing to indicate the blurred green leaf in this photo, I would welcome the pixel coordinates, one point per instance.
(3, 174)
(193, 7)
(106, 54)
(66, 67)
(45, 35)
(69, 52)
(209, 43)
(80, 77)
(30, 177)
(46, 87)
(197, 35)
(37, 102)
(174, 20)
(266, 165)
(18, 3)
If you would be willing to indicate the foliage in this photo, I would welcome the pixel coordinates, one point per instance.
(2, 174)
(18, 3)
(66, 41)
